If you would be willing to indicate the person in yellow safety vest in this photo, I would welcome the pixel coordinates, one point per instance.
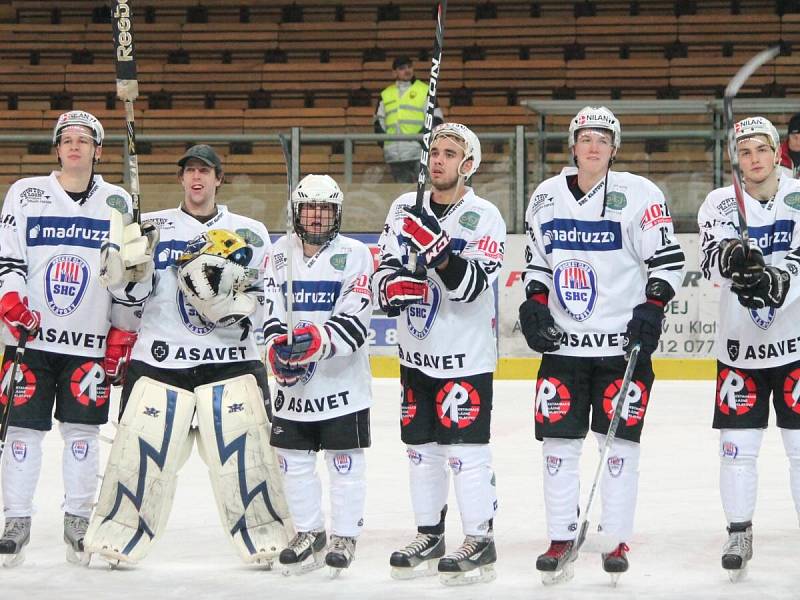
(402, 111)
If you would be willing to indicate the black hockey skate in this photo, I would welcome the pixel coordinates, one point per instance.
(556, 565)
(423, 550)
(16, 535)
(473, 562)
(341, 553)
(738, 550)
(74, 532)
(616, 562)
(304, 552)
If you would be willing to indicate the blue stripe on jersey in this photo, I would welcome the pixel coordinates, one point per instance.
(587, 236)
(775, 237)
(168, 252)
(457, 245)
(315, 295)
(66, 231)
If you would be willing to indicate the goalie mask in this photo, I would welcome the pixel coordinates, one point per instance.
(214, 277)
(79, 118)
(317, 209)
(596, 117)
(747, 128)
(465, 138)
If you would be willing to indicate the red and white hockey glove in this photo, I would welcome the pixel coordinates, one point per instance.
(426, 236)
(119, 345)
(278, 353)
(402, 288)
(310, 344)
(17, 316)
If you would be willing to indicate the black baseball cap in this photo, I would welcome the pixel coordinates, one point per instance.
(202, 152)
(794, 124)
(401, 61)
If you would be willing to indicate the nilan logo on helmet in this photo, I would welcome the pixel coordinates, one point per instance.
(594, 118)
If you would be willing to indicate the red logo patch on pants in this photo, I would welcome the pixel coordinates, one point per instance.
(635, 402)
(791, 390)
(88, 384)
(26, 384)
(408, 410)
(553, 400)
(736, 392)
(457, 403)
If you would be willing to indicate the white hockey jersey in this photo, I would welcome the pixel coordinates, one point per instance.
(173, 335)
(451, 333)
(50, 252)
(596, 267)
(746, 337)
(331, 287)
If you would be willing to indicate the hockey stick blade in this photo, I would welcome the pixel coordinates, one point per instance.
(430, 107)
(732, 89)
(627, 378)
(287, 158)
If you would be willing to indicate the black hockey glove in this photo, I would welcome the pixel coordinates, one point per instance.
(768, 290)
(536, 321)
(648, 317)
(743, 268)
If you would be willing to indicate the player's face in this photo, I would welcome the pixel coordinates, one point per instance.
(794, 142)
(445, 156)
(200, 184)
(593, 150)
(317, 217)
(756, 159)
(76, 149)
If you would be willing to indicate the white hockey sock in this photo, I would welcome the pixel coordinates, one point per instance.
(22, 463)
(347, 469)
(738, 475)
(473, 481)
(561, 482)
(80, 464)
(429, 482)
(791, 443)
(619, 487)
(302, 487)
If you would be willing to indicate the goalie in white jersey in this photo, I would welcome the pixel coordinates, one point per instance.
(758, 354)
(196, 360)
(53, 236)
(602, 263)
(448, 353)
(323, 397)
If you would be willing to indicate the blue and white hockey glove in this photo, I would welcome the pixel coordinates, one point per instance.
(278, 353)
(770, 289)
(310, 344)
(402, 288)
(425, 235)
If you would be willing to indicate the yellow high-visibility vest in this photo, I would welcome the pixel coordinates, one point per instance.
(405, 114)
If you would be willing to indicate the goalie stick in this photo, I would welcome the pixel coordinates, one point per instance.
(287, 158)
(433, 82)
(127, 87)
(11, 390)
(735, 84)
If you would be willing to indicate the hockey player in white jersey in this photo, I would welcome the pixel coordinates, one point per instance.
(758, 357)
(323, 397)
(196, 359)
(448, 353)
(602, 263)
(51, 232)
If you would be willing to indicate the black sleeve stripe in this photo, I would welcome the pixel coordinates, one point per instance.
(273, 327)
(347, 330)
(545, 270)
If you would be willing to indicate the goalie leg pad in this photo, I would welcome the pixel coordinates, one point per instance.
(233, 439)
(152, 443)
(348, 475)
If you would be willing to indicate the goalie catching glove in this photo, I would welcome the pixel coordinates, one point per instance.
(214, 277)
(127, 253)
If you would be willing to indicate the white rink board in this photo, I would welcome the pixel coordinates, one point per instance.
(674, 553)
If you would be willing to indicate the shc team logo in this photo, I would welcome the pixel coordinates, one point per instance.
(342, 463)
(791, 390)
(88, 384)
(736, 392)
(635, 402)
(576, 288)
(65, 280)
(421, 316)
(192, 319)
(26, 384)
(763, 317)
(457, 404)
(553, 400)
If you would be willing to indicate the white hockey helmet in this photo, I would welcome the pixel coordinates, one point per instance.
(82, 118)
(470, 143)
(596, 117)
(317, 189)
(747, 128)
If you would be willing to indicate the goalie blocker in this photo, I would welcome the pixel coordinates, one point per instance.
(154, 440)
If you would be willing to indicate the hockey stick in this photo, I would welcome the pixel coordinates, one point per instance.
(287, 157)
(436, 61)
(610, 436)
(735, 84)
(127, 87)
(12, 389)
